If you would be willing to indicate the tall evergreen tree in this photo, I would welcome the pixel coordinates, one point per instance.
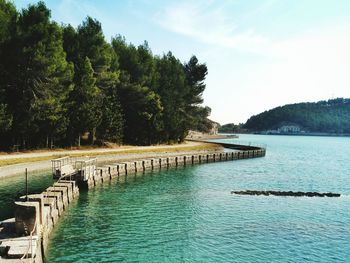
(85, 114)
(171, 87)
(8, 17)
(88, 42)
(195, 76)
(142, 110)
(39, 76)
(112, 123)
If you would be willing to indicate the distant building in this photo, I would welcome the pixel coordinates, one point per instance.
(289, 129)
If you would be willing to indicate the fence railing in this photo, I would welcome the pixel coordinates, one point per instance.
(30, 246)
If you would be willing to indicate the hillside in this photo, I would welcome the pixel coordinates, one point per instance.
(332, 116)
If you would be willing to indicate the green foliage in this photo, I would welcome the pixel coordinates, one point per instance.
(8, 16)
(94, 102)
(112, 123)
(58, 83)
(330, 116)
(36, 76)
(171, 87)
(84, 109)
(229, 128)
(195, 75)
(142, 111)
(5, 119)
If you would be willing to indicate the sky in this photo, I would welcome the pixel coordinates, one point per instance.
(260, 54)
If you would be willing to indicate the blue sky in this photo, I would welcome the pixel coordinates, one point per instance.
(260, 54)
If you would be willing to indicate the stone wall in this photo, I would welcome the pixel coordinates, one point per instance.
(110, 171)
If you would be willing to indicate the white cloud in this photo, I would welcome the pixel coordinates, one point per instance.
(314, 65)
(311, 67)
(208, 24)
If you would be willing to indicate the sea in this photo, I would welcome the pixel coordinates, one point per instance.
(189, 214)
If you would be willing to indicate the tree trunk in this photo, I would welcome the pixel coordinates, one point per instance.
(92, 136)
(79, 140)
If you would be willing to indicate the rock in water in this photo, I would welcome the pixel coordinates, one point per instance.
(285, 193)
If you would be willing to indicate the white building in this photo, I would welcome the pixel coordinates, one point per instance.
(289, 129)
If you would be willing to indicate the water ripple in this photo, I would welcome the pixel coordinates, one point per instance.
(189, 215)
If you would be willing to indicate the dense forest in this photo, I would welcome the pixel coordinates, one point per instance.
(332, 116)
(63, 86)
(230, 128)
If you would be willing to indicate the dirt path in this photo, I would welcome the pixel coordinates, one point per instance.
(104, 155)
(96, 150)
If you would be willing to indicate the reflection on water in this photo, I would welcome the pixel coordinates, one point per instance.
(13, 187)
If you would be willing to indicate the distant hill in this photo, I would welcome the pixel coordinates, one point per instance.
(332, 116)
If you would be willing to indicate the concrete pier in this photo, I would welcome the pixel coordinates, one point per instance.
(24, 238)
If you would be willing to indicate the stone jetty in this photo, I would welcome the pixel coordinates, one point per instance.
(24, 238)
(285, 193)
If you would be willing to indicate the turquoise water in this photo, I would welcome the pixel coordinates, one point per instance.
(12, 188)
(189, 215)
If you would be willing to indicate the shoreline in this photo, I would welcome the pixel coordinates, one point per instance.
(315, 134)
(320, 134)
(104, 155)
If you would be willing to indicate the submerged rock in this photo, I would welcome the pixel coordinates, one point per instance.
(285, 193)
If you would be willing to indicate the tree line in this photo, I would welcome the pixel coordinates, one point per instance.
(331, 116)
(63, 86)
(230, 128)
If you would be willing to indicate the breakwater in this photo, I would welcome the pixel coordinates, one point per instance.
(24, 238)
(285, 193)
(88, 179)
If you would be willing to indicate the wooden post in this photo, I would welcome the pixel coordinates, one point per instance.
(26, 174)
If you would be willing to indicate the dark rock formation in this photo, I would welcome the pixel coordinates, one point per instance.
(285, 193)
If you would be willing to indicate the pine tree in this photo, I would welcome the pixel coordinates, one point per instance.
(85, 114)
(39, 77)
(8, 18)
